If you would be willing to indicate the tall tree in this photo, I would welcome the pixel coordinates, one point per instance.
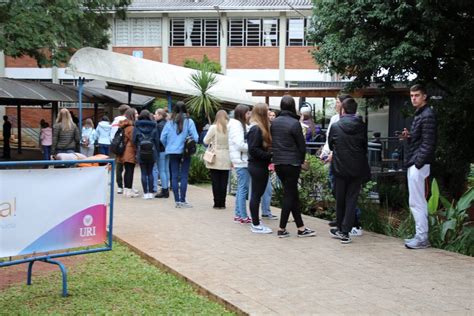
(51, 30)
(423, 41)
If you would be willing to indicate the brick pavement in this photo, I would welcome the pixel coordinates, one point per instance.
(262, 275)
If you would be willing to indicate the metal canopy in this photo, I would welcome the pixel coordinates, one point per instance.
(24, 92)
(149, 77)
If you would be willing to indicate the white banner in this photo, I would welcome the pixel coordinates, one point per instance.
(51, 209)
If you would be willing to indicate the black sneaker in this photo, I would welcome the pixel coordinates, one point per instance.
(335, 233)
(332, 224)
(306, 232)
(345, 238)
(283, 234)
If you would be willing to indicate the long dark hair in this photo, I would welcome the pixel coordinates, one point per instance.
(180, 113)
(287, 103)
(239, 114)
(145, 115)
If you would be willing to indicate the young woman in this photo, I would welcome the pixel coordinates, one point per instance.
(146, 142)
(259, 144)
(238, 155)
(219, 169)
(103, 135)
(128, 159)
(289, 149)
(173, 138)
(88, 138)
(163, 168)
(65, 134)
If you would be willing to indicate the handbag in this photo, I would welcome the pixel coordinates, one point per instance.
(210, 154)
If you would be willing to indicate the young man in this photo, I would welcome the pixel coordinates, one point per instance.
(421, 140)
(348, 143)
(115, 126)
(7, 133)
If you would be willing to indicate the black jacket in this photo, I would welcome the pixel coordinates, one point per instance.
(348, 141)
(258, 155)
(288, 143)
(145, 129)
(422, 140)
(159, 128)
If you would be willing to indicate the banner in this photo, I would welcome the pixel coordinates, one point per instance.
(52, 209)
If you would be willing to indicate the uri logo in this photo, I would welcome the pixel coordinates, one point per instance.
(89, 230)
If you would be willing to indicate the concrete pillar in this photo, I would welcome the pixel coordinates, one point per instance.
(2, 64)
(223, 41)
(282, 54)
(54, 74)
(165, 38)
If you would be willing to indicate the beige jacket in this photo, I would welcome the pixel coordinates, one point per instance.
(221, 148)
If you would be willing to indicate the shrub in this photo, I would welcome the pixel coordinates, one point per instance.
(198, 173)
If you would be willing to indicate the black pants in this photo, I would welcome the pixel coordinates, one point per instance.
(259, 180)
(347, 193)
(118, 174)
(129, 169)
(289, 176)
(147, 176)
(6, 148)
(219, 180)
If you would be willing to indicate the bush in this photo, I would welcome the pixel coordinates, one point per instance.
(198, 173)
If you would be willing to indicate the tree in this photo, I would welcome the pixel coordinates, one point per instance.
(422, 41)
(204, 102)
(210, 65)
(50, 31)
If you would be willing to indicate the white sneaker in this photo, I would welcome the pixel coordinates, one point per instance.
(129, 193)
(260, 229)
(135, 191)
(147, 196)
(355, 232)
(119, 190)
(186, 205)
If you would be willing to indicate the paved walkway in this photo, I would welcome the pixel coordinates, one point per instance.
(263, 275)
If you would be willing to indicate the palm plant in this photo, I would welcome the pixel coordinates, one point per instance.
(203, 102)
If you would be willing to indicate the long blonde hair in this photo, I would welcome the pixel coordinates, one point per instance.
(65, 120)
(221, 121)
(260, 117)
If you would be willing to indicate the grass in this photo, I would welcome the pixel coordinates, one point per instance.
(113, 282)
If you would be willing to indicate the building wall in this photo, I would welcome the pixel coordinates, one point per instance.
(151, 53)
(177, 55)
(299, 58)
(252, 58)
(22, 62)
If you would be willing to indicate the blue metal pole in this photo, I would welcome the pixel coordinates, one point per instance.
(170, 102)
(81, 88)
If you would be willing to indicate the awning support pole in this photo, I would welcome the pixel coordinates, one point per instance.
(170, 101)
(18, 121)
(81, 88)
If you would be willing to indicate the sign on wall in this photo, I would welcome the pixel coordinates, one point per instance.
(52, 209)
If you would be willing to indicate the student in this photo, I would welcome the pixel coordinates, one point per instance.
(146, 142)
(7, 128)
(113, 129)
(259, 144)
(163, 163)
(88, 138)
(103, 135)
(348, 142)
(66, 137)
(173, 138)
(128, 159)
(289, 150)
(238, 155)
(267, 196)
(219, 169)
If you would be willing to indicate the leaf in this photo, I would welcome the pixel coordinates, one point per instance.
(448, 225)
(434, 198)
(466, 200)
(446, 204)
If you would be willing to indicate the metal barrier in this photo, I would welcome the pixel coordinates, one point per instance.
(21, 211)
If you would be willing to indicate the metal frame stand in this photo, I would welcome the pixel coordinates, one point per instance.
(47, 260)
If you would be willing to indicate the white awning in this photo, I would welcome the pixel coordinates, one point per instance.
(154, 78)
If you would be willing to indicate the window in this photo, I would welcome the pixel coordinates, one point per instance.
(137, 32)
(253, 32)
(194, 32)
(297, 30)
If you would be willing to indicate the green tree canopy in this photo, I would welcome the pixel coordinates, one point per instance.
(51, 30)
(205, 63)
(423, 41)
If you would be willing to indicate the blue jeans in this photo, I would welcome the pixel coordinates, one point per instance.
(104, 149)
(179, 176)
(267, 198)
(147, 177)
(243, 182)
(164, 170)
(46, 152)
(155, 176)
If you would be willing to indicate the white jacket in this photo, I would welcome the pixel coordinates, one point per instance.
(326, 151)
(237, 144)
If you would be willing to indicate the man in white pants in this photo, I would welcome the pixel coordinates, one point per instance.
(421, 141)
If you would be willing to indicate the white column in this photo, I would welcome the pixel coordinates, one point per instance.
(2, 64)
(111, 32)
(165, 38)
(282, 41)
(223, 43)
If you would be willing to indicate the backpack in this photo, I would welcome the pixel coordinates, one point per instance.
(117, 146)
(189, 145)
(146, 149)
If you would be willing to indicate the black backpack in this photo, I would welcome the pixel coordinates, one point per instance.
(189, 144)
(146, 149)
(117, 146)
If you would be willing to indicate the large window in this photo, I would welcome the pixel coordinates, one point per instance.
(137, 32)
(297, 30)
(253, 32)
(194, 32)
